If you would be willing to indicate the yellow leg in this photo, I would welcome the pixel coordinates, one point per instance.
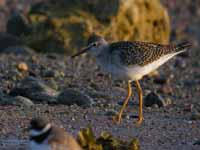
(139, 90)
(118, 118)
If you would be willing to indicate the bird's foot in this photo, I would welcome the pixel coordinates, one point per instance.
(117, 119)
(140, 120)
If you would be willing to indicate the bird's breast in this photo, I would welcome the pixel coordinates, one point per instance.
(37, 146)
(116, 71)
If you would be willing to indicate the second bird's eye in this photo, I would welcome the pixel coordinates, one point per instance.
(94, 44)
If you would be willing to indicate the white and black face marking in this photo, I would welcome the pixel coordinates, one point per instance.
(38, 126)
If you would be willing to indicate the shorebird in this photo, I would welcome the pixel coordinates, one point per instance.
(130, 61)
(45, 136)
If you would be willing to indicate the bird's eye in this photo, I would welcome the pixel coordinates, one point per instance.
(94, 44)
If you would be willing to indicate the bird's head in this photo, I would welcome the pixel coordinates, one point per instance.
(38, 126)
(94, 46)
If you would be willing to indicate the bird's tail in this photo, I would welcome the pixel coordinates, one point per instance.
(182, 46)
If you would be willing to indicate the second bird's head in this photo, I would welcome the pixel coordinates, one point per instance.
(38, 126)
(94, 46)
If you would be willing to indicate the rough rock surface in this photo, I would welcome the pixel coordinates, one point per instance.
(71, 96)
(8, 40)
(22, 101)
(154, 99)
(34, 89)
(67, 25)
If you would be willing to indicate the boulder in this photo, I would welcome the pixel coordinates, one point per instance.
(66, 26)
(8, 40)
(71, 97)
(22, 101)
(153, 99)
(34, 89)
(17, 25)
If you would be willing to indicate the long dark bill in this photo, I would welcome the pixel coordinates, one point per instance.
(81, 52)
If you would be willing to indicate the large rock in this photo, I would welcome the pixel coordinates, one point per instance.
(154, 99)
(13, 44)
(65, 27)
(8, 40)
(34, 89)
(5, 99)
(22, 101)
(17, 25)
(71, 97)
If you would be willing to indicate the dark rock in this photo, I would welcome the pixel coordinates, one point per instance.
(197, 142)
(18, 50)
(48, 73)
(111, 113)
(17, 25)
(71, 96)
(22, 101)
(161, 80)
(180, 63)
(34, 89)
(8, 40)
(153, 98)
(195, 116)
(4, 99)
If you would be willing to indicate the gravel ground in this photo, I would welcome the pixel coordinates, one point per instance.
(170, 127)
(174, 127)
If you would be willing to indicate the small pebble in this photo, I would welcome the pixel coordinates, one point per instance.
(161, 80)
(166, 89)
(180, 63)
(111, 113)
(188, 107)
(22, 66)
(195, 116)
(153, 99)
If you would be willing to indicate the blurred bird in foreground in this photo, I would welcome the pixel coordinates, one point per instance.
(45, 136)
(130, 61)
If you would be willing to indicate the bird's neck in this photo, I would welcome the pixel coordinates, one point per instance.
(102, 52)
(41, 137)
(103, 58)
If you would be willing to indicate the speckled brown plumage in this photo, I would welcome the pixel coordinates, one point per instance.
(142, 53)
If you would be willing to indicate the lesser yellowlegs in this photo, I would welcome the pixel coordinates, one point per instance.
(130, 61)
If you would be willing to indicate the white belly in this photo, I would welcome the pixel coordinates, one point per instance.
(135, 72)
